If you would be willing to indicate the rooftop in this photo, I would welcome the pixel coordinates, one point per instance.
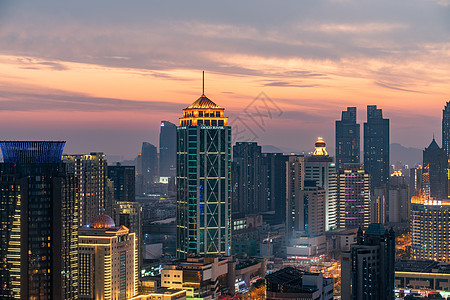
(421, 266)
(203, 102)
(32, 151)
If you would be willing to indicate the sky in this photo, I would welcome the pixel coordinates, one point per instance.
(103, 74)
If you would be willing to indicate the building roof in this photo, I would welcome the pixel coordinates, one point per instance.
(203, 102)
(32, 151)
(375, 229)
(421, 266)
(433, 145)
(102, 221)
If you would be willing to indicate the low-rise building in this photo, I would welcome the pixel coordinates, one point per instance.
(291, 283)
(163, 294)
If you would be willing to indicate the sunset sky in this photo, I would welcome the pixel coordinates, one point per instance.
(103, 74)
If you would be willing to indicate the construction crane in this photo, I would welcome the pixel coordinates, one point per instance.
(269, 240)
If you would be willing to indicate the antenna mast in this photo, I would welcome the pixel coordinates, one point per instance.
(203, 83)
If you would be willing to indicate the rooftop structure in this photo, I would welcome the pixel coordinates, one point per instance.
(32, 151)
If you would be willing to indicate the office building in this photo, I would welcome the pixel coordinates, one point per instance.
(446, 129)
(310, 210)
(291, 283)
(347, 138)
(415, 180)
(203, 180)
(123, 178)
(436, 162)
(167, 149)
(248, 182)
(320, 168)
(39, 222)
(376, 148)
(129, 214)
(108, 261)
(367, 270)
(295, 177)
(399, 204)
(90, 169)
(354, 197)
(149, 165)
(274, 166)
(430, 229)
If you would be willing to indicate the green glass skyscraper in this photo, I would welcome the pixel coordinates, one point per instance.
(203, 180)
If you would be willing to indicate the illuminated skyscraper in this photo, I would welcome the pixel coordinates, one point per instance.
(167, 149)
(108, 261)
(446, 129)
(354, 197)
(38, 223)
(347, 138)
(90, 169)
(203, 180)
(321, 168)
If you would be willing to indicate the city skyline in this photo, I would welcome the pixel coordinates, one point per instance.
(77, 75)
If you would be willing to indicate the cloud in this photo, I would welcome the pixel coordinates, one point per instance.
(396, 87)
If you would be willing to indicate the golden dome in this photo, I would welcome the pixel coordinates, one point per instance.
(203, 102)
(102, 222)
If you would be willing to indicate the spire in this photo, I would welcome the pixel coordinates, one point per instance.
(203, 89)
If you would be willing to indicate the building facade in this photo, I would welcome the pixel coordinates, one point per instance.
(430, 229)
(149, 165)
(376, 148)
(248, 182)
(310, 211)
(295, 178)
(320, 168)
(435, 161)
(124, 180)
(354, 197)
(347, 138)
(39, 222)
(367, 270)
(203, 180)
(90, 169)
(108, 261)
(167, 149)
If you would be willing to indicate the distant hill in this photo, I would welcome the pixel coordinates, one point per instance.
(271, 149)
(408, 156)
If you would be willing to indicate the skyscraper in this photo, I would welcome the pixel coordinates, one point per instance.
(149, 164)
(108, 260)
(310, 210)
(295, 179)
(321, 168)
(354, 197)
(446, 129)
(248, 179)
(90, 169)
(123, 178)
(38, 223)
(436, 162)
(367, 270)
(347, 138)
(376, 149)
(167, 149)
(203, 180)
(275, 186)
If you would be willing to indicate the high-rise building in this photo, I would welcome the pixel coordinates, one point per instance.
(248, 179)
(310, 210)
(321, 168)
(129, 214)
(376, 148)
(347, 138)
(446, 129)
(430, 229)
(203, 180)
(108, 261)
(167, 149)
(354, 197)
(124, 182)
(149, 164)
(274, 166)
(295, 178)
(436, 162)
(367, 270)
(38, 222)
(90, 169)
(399, 204)
(415, 180)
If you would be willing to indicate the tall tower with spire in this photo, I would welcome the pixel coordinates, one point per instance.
(203, 180)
